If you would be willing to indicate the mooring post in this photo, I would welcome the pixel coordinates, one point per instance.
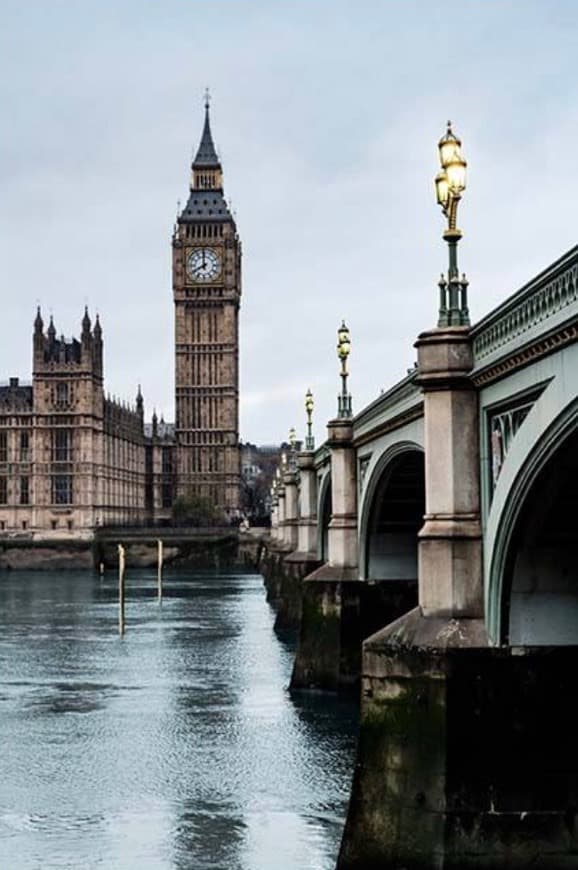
(160, 571)
(121, 565)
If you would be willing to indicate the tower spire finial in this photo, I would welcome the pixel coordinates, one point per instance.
(206, 156)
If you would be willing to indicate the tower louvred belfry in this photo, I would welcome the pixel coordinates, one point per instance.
(207, 292)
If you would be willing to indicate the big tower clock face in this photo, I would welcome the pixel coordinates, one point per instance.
(203, 264)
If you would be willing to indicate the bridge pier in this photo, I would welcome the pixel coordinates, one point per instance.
(467, 753)
(329, 650)
(402, 811)
(303, 559)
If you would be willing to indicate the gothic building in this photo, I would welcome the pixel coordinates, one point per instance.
(72, 459)
(207, 292)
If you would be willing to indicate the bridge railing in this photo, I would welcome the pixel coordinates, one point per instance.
(539, 307)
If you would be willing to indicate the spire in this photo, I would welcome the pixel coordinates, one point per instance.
(139, 401)
(97, 329)
(86, 322)
(51, 329)
(206, 156)
(38, 322)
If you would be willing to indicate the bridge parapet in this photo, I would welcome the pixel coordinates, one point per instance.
(541, 308)
(391, 410)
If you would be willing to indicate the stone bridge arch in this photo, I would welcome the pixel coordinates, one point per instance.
(391, 514)
(531, 580)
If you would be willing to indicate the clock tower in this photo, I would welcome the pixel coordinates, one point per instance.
(207, 293)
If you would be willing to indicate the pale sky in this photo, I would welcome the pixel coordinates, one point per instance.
(326, 116)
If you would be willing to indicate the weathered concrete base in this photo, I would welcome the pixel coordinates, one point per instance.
(467, 755)
(283, 572)
(294, 568)
(338, 612)
(272, 568)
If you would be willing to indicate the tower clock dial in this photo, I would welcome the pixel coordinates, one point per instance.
(203, 264)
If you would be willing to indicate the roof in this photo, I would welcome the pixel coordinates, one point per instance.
(206, 154)
(15, 396)
(205, 205)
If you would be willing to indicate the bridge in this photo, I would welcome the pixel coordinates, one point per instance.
(427, 549)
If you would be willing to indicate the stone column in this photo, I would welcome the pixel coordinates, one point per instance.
(450, 547)
(329, 650)
(343, 524)
(307, 534)
(291, 509)
(280, 537)
(274, 518)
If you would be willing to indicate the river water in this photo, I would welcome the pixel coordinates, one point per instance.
(177, 746)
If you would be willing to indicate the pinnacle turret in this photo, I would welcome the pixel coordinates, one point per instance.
(86, 322)
(38, 322)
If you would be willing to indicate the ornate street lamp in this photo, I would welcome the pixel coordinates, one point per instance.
(343, 351)
(309, 439)
(292, 446)
(450, 183)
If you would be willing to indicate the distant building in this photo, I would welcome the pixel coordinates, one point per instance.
(72, 459)
(258, 466)
(207, 294)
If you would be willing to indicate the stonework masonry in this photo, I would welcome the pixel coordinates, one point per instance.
(73, 460)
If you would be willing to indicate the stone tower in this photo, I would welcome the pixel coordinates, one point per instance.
(207, 292)
(68, 405)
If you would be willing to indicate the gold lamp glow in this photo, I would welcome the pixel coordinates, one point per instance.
(442, 189)
(449, 147)
(343, 342)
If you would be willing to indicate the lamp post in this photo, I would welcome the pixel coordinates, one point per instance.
(343, 350)
(292, 445)
(450, 183)
(309, 439)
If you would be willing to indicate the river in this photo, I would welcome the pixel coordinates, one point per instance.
(177, 746)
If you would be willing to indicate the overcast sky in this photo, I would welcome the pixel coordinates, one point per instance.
(326, 116)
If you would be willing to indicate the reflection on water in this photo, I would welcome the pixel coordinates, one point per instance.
(175, 747)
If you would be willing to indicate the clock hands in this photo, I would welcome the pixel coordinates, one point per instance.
(203, 264)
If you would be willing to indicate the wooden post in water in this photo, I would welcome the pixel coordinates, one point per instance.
(160, 571)
(121, 564)
(101, 568)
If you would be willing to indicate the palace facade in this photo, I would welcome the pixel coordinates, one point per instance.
(72, 459)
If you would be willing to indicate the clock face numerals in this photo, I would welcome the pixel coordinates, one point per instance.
(203, 264)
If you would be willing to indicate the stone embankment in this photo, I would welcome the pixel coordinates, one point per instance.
(201, 548)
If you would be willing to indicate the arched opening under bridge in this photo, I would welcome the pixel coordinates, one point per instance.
(540, 588)
(324, 519)
(397, 507)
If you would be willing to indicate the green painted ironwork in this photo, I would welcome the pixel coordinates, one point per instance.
(553, 292)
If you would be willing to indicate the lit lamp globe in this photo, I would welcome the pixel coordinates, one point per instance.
(343, 342)
(442, 189)
(453, 167)
(449, 147)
